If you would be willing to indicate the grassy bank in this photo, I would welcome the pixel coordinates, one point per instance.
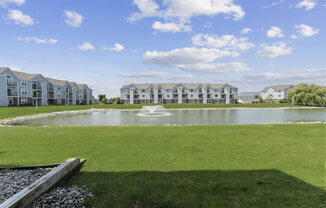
(11, 112)
(183, 166)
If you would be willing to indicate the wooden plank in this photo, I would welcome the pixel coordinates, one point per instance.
(30, 167)
(25, 197)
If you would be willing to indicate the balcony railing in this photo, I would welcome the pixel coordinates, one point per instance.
(11, 84)
(36, 87)
(50, 88)
(12, 93)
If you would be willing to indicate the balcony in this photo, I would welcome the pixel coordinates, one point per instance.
(12, 94)
(11, 84)
(37, 95)
(36, 87)
(50, 88)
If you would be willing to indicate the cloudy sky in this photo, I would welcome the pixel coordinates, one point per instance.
(108, 43)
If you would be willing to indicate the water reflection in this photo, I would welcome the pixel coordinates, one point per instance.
(185, 117)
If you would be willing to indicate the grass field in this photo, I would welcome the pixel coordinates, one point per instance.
(11, 112)
(183, 166)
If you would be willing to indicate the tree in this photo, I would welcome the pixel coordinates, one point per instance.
(305, 94)
(114, 100)
(256, 96)
(100, 97)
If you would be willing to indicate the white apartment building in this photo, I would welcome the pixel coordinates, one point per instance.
(18, 88)
(178, 93)
(275, 93)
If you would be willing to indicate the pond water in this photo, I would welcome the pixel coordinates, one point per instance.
(184, 117)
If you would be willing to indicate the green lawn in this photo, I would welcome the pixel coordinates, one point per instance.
(10, 112)
(183, 166)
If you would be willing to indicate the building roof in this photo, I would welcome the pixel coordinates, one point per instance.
(278, 87)
(2, 69)
(173, 85)
(81, 86)
(24, 76)
(57, 82)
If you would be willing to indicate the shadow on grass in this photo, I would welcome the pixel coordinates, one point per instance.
(238, 188)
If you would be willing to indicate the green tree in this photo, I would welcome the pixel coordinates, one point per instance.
(100, 97)
(305, 94)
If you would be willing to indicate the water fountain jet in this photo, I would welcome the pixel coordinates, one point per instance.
(153, 111)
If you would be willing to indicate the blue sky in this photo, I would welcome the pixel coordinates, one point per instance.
(108, 43)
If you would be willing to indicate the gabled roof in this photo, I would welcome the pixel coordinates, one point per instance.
(25, 76)
(81, 86)
(278, 87)
(57, 82)
(173, 85)
(2, 69)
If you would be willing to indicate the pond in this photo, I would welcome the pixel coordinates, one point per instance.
(184, 117)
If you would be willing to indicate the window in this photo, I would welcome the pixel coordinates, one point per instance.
(23, 101)
(143, 96)
(216, 95)
(59, 102)
(24, 91)
(59, 94)
(59, 88)
(24, 83)
(168, 96)
(191, 95)
(192, 90)
(142, 90)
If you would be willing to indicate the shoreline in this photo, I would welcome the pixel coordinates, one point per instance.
(13, 121)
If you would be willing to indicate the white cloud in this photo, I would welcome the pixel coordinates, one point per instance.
(185, 9)
(275, 32)
(194, 59)
(284, 77)
(86, 46)
(73, 19)
(5, 3)
(307, 4)
(306, 31)
(215, 67)
(275, 50)
(228, 42)
(19, 18)
(246, 30)
(117, 47)
(311, 70)
(171, 27)
(178, 14)
(160, 75)
(38, 40)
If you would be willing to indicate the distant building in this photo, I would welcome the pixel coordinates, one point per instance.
(18, 88)
(275, 93)
(178, 93)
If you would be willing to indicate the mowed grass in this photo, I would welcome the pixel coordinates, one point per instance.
(183, 166)
(11, 112)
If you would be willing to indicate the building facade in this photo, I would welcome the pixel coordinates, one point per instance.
(178, 93)
(276, 93)
(18, 88)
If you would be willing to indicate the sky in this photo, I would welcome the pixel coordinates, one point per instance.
(108, 43)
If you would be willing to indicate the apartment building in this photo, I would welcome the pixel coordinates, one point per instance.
(275, 93)
(18, 88)
(178, 93)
